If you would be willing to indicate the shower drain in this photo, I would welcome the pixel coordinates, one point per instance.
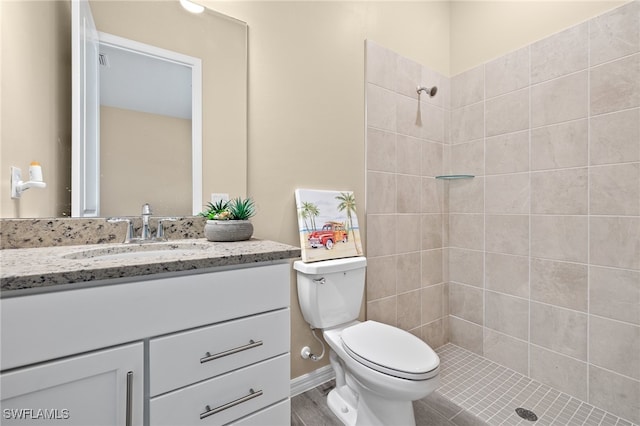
(526, 414)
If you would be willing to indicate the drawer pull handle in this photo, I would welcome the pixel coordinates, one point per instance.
(208, 357)
(209, 412)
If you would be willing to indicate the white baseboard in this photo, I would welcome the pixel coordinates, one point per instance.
(311, 380)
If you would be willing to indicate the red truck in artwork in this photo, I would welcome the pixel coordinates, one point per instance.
(330, 233)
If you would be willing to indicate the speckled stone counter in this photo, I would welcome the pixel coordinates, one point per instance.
(41, 268)
(46, 232)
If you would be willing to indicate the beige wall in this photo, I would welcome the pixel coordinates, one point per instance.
(134, 147)
(36, 104)
(484, 30)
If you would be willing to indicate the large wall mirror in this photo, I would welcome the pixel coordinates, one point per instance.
(144, 156)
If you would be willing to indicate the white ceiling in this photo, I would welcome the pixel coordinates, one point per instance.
(144, 83)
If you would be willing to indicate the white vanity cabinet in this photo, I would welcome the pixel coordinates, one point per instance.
(99, 388)
(206, 348)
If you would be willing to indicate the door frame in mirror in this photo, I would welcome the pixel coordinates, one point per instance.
(80, 171)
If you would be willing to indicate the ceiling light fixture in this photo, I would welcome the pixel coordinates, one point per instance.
(191, 6)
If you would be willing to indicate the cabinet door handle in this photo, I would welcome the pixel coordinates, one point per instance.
(128, 421)
(209, 411)
(208, 357)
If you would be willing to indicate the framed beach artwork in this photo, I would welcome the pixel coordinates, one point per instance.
(327, 224)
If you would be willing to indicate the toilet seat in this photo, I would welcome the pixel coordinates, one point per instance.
(390, 350)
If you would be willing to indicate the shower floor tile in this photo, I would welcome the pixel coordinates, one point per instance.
(474, 392)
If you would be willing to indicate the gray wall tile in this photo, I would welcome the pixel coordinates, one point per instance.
(507, 73)
(507, 194)
(507, 274)
(381, 65)
(507, 113)
(615, 85)
(467, 88)
(466, 302)
(507, 234)
(381, 108)
(381, 277)
(559, 100)
(381, 150)
(408, 272)
(466, 231)
(559, 192)
(507, 153)
(615, 293)
(613, 136)
(560, 330)
(615, 346)
(381, 192)
(615, 189)
(507, 314)
(560, 283)
(559, 237)
(507, 351)
(560, 146)
(560, 54)
(466, 266)
(615, 34)
(624, 400)
(467, 123)
(615, 241)
(465, 334)
(561, 372)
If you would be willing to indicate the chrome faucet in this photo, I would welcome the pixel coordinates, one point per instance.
(129, 235)
(145, 234)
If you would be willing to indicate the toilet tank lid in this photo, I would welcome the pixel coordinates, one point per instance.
(329, 266)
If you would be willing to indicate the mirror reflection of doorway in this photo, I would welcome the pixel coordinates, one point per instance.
(145, 124)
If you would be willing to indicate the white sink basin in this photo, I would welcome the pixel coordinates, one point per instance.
(140, 251)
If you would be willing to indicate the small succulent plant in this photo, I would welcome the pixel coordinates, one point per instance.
(241, 209)
(215, 210)
(236, 209)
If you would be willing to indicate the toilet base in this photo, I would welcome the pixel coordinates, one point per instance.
(355, 405)
(341, 408)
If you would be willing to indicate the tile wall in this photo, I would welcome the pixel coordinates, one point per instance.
(541, 250)
(406, 282)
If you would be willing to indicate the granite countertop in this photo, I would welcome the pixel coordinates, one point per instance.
(41, 268)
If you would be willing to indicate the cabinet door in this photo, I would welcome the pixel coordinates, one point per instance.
(98, 388)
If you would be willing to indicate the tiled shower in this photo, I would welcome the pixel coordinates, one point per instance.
(535, 262)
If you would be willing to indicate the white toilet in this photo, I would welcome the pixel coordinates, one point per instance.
(379, 369)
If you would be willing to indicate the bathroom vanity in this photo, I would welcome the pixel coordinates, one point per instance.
(105, 335)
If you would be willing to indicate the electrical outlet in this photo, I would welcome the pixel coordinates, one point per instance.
(215, 197)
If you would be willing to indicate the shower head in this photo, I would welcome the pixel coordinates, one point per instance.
(431, 91)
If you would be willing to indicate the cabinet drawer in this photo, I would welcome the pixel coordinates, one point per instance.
(225, 398)
(276, 415)
(184, 358)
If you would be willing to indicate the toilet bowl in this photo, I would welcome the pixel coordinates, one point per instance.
(380, 370)
(385, 369)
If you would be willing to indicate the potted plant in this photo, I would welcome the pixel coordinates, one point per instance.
(229, 220)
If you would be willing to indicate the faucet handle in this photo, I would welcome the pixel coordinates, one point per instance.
(146, 208)
(160, 231)
(129, 236)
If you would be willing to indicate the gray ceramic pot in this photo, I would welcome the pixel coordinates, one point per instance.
(228, 230)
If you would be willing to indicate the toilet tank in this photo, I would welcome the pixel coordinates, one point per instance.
(330, 292)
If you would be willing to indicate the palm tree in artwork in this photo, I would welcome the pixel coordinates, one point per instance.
(309, 211)
(304, 215)
(348, 205)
